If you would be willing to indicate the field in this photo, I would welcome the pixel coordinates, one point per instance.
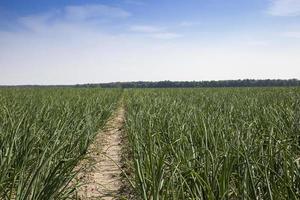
(215, 143)
(207, 144)
(43, 135)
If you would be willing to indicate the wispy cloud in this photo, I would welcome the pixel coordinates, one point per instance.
(166, 35)
(84, 12)
(155, 31)
(292, 34)
(146, 29)
(257, 43)
(135, 2)
(189, 23)
(84, 15)
(40, 21)
(284, 8)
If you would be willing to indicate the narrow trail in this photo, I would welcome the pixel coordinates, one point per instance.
(101, 173)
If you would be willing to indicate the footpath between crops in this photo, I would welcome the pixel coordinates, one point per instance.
(101, 174)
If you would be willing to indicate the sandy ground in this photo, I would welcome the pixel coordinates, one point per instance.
(101, 174)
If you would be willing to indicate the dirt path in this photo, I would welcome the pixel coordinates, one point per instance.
(101, 175)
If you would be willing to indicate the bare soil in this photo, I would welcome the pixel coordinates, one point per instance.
(101, 174)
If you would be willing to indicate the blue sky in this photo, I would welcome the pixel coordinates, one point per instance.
(89, 41)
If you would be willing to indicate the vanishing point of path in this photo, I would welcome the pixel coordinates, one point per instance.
(101, 173)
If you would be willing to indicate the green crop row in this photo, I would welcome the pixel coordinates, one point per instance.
(211, 144)
(43, 135)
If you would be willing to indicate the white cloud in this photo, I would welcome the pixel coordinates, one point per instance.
(83, 12)
(189, 23)
(75, 13)
(38, 21)
(256, 42)
(166, 35)
(155, 32)
(88, 16)
(284, 8)
(135, 2)
(292, 34)
(146, 29)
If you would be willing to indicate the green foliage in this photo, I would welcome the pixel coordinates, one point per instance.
(43, 135)
(215, 143)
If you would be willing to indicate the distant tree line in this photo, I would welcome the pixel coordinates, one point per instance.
(194, 84)
(184, 84)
